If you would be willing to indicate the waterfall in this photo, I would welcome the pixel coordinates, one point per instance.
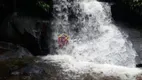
(94, 38)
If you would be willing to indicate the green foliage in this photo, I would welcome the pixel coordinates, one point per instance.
(43, 5)
(135, 5)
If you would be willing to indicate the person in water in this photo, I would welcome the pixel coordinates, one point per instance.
(63, 40)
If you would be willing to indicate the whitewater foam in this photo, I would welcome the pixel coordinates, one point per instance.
(95, 44)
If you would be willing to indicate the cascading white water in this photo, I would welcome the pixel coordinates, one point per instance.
(94, 39)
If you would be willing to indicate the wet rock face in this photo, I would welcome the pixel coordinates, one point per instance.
(21, 65)
(30, 33)
(126, 11)
(13, 60)
(121, 12)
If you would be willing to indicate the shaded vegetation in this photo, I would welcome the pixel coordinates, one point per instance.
(43, 5)
(129, 11)
(35, 8)
(134, 5)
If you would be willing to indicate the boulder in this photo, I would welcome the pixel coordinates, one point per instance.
(28, 32)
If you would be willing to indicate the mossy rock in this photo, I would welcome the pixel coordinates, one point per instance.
(10, 65)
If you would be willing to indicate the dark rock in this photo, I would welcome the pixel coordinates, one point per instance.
(139, 65)
(36, 70)
(33, 71)
(27, 32)
(8, 33)
(126, 11)
(25, 7)
(19, 53)
(19, 64)
(13, 60)
(126, 15)
(31, 43)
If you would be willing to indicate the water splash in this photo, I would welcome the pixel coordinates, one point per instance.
(94, 37)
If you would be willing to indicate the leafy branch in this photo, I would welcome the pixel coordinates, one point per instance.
(135, 5)
(43, 5)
